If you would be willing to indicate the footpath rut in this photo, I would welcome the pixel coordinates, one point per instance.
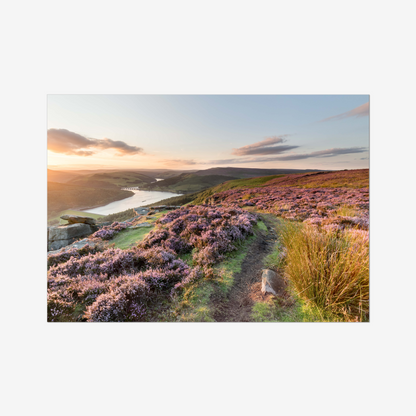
(237, 305)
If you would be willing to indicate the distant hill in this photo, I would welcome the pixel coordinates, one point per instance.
(163, 173)
(113, 179)
(187, 183)
(357, 178)
(60, 176)
(250, 172)
(62, 196)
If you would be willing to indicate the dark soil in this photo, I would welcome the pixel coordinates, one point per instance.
(237, 306)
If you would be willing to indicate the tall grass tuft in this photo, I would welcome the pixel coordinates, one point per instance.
(329, 269)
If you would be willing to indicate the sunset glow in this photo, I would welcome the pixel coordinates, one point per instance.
(200, 132)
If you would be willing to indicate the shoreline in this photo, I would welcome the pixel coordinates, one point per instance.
(98, 206)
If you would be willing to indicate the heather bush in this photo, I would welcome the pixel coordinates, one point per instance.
(109, 231)
(85, 280)
(125, 301)
(212, 231)
(126, 285)
(301, 203)
(62, 257)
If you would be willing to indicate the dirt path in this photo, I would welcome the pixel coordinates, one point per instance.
(237, 306)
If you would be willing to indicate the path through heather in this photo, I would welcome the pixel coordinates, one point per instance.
(237, 306)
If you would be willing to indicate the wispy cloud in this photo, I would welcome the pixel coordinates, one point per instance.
(70, 143)
(318, 154)
(264, 147)
(324, 153)
(361, 111)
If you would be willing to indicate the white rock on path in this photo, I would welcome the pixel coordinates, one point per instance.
(267, 279)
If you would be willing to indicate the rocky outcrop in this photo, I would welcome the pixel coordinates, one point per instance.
(77, 219)
(64, 235)
(141, 210)
(78, 245)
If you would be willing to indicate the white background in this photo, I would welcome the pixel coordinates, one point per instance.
(207, 47)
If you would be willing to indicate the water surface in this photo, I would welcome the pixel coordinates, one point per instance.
(139, 199)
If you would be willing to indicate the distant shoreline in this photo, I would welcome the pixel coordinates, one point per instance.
(86, 209)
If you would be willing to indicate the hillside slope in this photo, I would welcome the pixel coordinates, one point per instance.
(116, 179)
(187, 183)
(63, 196)
(250, 172)
(60, 176)
(358, 178)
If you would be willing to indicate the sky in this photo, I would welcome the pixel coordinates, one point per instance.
(329, 132)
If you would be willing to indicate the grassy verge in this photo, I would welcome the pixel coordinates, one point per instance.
(327, 272)
(274, 310)
(228, 268)
(129, 237)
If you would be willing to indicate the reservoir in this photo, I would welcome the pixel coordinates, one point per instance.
(139, 199)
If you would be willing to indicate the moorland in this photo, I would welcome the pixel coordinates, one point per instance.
(203, 261)
(81, 189)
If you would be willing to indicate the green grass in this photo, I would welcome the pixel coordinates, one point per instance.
(262, 226)
(273, 261)
(129, 237)
(187, 258)
(194, 304)
(228, 268)
(274, 310)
